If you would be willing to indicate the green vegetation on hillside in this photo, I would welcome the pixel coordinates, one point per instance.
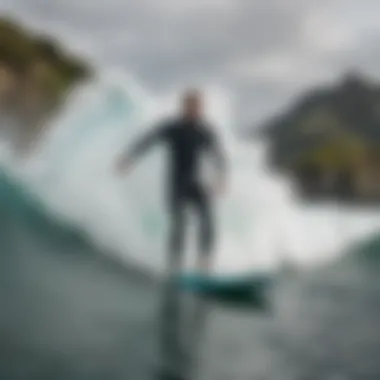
(36, 76)
(22, 48)
(332, 133)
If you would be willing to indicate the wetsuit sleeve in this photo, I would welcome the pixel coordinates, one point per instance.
(142, 145)
(218, 154)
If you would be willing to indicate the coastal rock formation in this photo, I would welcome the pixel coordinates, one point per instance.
(330, 140)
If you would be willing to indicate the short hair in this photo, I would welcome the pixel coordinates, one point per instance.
(191, 94)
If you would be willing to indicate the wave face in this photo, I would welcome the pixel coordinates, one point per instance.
(259, 221)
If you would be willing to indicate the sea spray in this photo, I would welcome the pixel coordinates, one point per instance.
(260, 220)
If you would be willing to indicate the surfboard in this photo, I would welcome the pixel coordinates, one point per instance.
(244, 290)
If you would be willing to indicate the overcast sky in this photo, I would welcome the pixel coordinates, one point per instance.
(264, 51)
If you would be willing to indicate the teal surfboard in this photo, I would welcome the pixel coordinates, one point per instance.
(252, 289)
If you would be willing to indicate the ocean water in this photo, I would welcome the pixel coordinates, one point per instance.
(72, 311)
(83, 258)
(82, 261)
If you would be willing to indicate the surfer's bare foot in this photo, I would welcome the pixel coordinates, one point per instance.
(123, 166)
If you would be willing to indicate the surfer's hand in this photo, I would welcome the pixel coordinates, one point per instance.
(220, 188)
(122, 166)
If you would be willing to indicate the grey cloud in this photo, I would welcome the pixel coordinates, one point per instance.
(190, 38)
(166, 41)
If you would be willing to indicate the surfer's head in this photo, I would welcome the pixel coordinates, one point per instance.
(192, 103)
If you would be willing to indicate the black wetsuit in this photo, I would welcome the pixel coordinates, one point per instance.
(187, 140)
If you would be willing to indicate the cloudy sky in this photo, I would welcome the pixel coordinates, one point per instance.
(264, 51)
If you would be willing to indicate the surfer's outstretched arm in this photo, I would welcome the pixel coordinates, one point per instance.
(140, 147)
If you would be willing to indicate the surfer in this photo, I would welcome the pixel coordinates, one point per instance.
(187, 136)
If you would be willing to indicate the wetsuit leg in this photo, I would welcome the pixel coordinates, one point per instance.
(171, 313)
(202, 203)
(177, 229)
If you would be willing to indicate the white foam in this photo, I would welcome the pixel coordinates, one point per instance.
(259, 221)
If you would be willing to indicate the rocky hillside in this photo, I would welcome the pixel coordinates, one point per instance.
(330, 139)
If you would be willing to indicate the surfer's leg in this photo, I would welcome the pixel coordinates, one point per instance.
(171, 298)
(198, 316)
(176, 239)
(202, 203)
